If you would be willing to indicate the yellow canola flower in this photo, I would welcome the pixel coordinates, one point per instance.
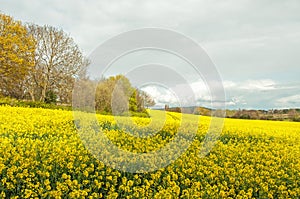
(42, 156)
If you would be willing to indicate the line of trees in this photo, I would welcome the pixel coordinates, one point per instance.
(39, 63)
(42, 63)
(274, 114)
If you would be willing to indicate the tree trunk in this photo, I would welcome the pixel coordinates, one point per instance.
(31, 93)
(43, 96)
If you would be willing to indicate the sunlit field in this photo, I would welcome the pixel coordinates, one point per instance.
(42, 156)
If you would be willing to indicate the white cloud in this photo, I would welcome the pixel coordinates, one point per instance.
(236, 100)
(258, 85)
(289, 101)
(229, 84)
(162, 96)
(260, 93)
(201, 91)
(254, 44)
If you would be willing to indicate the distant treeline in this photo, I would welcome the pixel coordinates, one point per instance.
(273, 114)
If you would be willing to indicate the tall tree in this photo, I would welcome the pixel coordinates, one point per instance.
(144, 99)
(113, 91)
(116, 95)
(58, 61)
(16, 56)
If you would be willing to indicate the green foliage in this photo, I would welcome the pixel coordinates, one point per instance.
(51, 97)
(296, 119)
(116, 95)
(30, 104)
(133, 102)
(140, 114)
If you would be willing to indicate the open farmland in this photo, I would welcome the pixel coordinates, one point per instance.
(42, 156)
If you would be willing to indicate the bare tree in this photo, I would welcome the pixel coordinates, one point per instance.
(58, 62)
(144, 99)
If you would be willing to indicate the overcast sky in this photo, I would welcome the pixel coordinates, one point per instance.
(255, 44)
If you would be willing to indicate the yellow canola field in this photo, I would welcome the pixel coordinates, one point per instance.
(42, 156)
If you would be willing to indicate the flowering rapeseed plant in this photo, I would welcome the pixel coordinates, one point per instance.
(42, 156)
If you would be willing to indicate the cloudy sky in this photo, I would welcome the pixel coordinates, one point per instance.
(254, 44)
